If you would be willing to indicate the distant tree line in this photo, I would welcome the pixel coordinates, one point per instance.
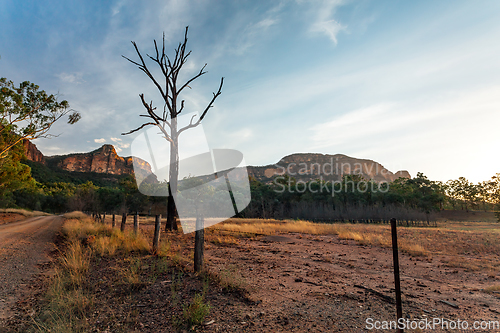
(34, 186)
(355, 198)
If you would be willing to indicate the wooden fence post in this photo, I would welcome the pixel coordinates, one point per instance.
(136, 223)
(113, 221)
(397, 282)
(199, 240)
(156, 237)
(124, 220)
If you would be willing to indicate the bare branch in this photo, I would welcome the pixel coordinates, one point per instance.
(135, 63)
(145, 69)
(138, 128)
(182, 107)
(192, 79)
(213, 100)
(169, 139)
(156, 49)
(191, 124)
(150, 109)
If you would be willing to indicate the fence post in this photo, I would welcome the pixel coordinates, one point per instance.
(136, 223)
(113, 221)
(199, 239)
(156, 237)
(124, 220)
(397, 282)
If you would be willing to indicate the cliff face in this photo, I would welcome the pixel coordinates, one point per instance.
(304, 167)
(308, 167)
(102, 160)
(32, 153)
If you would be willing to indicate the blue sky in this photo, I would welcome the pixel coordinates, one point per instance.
(413, 85)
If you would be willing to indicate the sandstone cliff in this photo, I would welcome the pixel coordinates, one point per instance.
(32, 153)
(310, 166)
(304, 167)
(102, 160)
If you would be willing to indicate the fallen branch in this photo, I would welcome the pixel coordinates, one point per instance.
(386, 298)
(453, 305)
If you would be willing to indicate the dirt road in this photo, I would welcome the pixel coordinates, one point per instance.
(24, 246)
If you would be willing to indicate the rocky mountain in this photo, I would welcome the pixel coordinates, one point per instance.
(309, 166)
(103, 160)
(306, 167)
(32, 153)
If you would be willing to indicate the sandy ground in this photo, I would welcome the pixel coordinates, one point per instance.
(295, 283)
(324, 284)
(24, 249)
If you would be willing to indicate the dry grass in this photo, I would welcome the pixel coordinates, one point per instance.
(493, 289)
(23, 212)
(270, 227)
(376, 235)
(221, 240)
(461, 240)
(76, 215)
(130, 274)
(67, 302)
(104, 240)
(229, 278)
(75, 262)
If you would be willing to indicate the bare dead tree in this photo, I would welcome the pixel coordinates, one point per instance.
(170, 90)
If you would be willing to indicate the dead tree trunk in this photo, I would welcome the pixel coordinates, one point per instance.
(170, 90)
(171, 213)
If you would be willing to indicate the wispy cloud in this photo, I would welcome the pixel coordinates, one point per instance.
(324, 22)
(331, 28)
(71, 77)
(247, 31)
(117, 143)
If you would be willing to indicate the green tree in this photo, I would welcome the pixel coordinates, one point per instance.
(493, 188)
(110, 199)
(27, 113)
(467, 192)
(13, 175)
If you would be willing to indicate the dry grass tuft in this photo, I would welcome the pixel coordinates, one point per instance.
(492, 289)
(221, 240)
(229, 278)
(66, 301)
(75, 262)
(76, 215)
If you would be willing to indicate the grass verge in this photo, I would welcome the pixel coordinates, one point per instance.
(68, 300)
(23, 212)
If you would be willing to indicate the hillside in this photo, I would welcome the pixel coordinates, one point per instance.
(102, 165)
(105, 164)
(309, 166)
